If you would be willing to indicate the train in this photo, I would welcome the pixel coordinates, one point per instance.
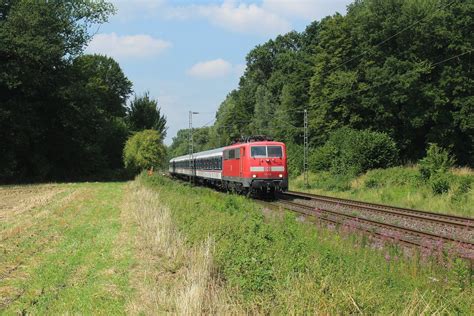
(250, 165)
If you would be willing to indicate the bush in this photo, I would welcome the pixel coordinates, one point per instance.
(461, 189)
(371, 183)
(437, 161)
(295, 159)
(440, 183)
(321, 157)
(353, 152)
(144, 150)
(464, 184)
(434, 168)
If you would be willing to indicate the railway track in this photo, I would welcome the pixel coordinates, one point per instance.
(444, 219)
(432, 231)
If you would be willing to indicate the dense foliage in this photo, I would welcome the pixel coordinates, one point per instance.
(144, 113)
(201, 136)
(399, 67)
(434, 169)
(353, 152)
(63, 114)
(144, 151)
(437, 160)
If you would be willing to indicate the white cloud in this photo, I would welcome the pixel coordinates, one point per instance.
(236, 17)
(268, 17)
(305, 9)
(127, 46)
(211, 69)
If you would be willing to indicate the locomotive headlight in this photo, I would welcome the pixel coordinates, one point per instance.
(280, 175)
(254, 176)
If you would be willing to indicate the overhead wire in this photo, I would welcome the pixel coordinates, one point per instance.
(448, 59)
(390, 37)
(206, 124)
(343, 96)
(358, 56)
(390, 81)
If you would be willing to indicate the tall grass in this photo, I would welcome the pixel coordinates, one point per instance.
(170, 276)
(400, 186)
(282, 264)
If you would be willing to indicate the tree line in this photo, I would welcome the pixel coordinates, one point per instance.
(396, 67)
(63, 113)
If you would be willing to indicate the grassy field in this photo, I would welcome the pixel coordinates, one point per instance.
(278, 263)
(58, 249)
(155, 246)
(97, 248)
(399, 186)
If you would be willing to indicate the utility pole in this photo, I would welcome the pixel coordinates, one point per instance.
(191, 145)
(191, 149)
(306, 144)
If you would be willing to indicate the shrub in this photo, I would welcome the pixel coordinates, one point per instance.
(437, 161)
(144, 150)
(353, 152)
(440, 183)
(464, 184)
(371, 183)
(460, 188)
(320, 158)
(295, 159)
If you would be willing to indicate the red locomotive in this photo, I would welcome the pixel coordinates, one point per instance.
(252, 164)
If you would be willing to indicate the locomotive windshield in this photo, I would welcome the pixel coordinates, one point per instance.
(274, 152)
(266, 151)
(259, 151)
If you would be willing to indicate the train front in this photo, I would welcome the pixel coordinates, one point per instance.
(267, 166)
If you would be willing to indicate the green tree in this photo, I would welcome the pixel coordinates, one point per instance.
(353, 152)
(232, 118)
(407, 85)
(144, 150)
(201, 141)
(100, 79)
(180, 144)
(144, 113)
(263, 111)
(96, 108)
(403, 68)
(46, 130)
(437, 161)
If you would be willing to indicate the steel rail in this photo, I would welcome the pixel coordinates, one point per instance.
(331, 221)
(438, 218)
(312, 211)
(413, 232)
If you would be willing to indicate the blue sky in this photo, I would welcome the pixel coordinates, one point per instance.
(190, 54)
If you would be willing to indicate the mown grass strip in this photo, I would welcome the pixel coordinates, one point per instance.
(76, 269)
(275, 264)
